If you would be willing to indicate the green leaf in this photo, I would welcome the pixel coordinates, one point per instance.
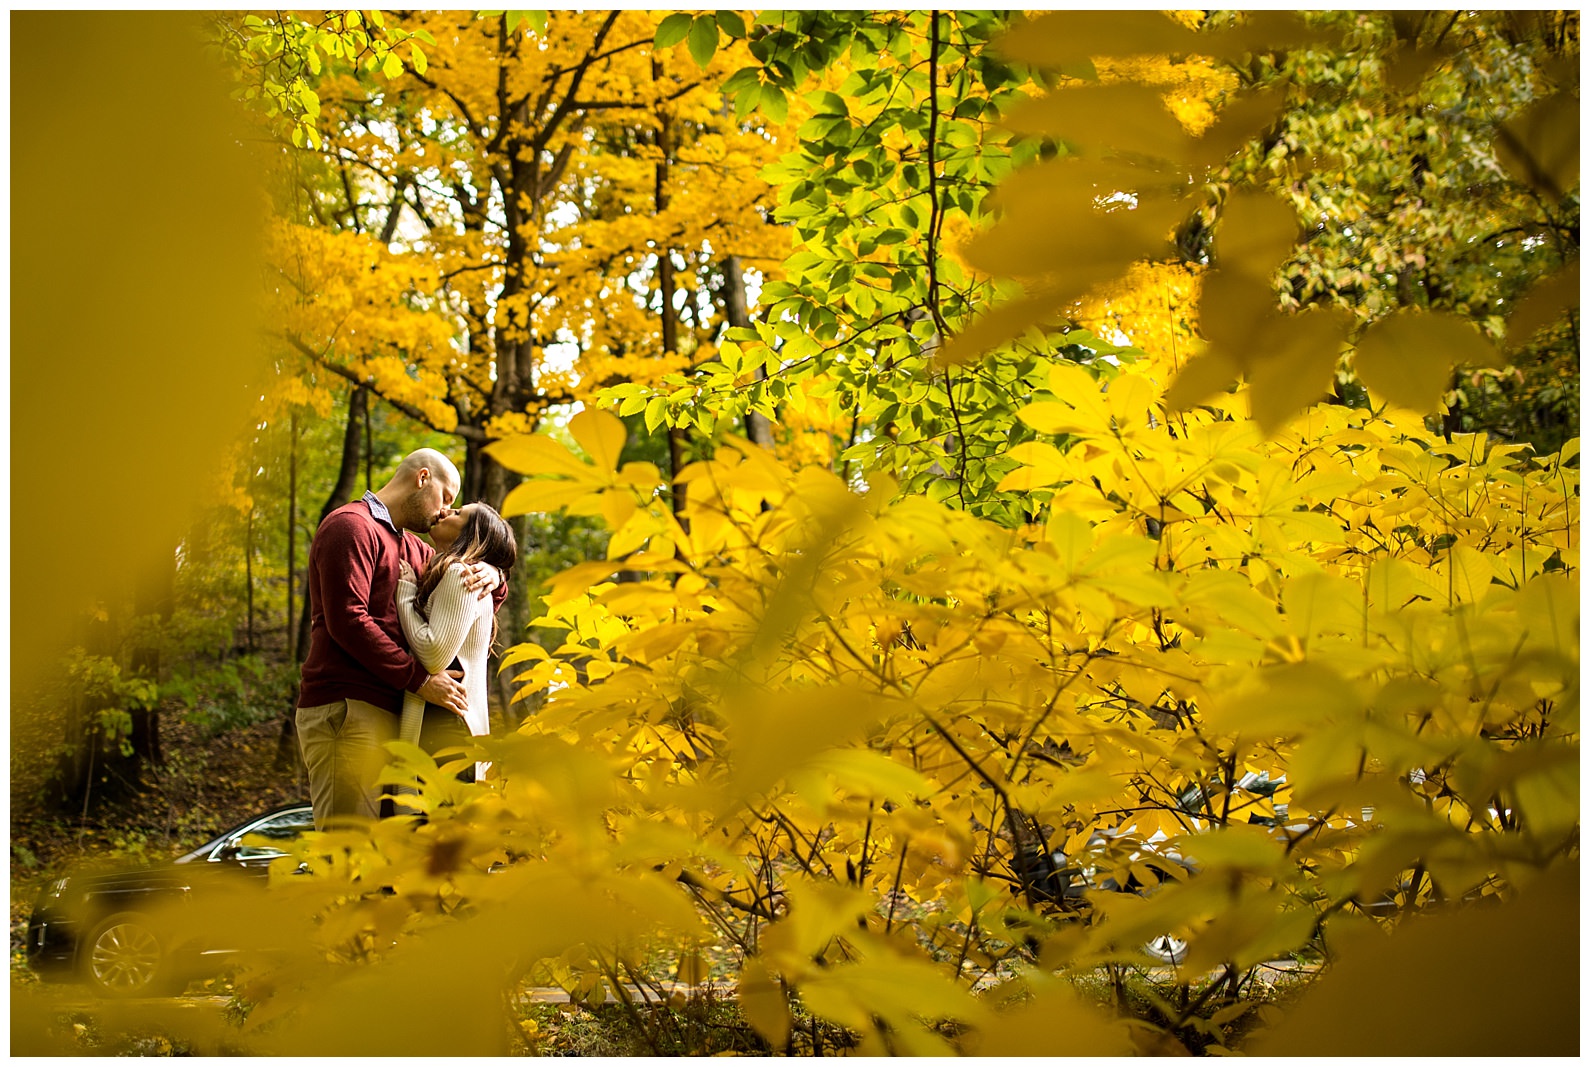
(417, 58)
(744, 78)
(703, 40)
(392, 66)
(672, 30)
(656, 412)
(731, 23)
(745, 102)
(774, 103)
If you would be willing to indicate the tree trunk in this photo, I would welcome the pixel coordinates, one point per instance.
(248, 575)
(666, 284)
(80, 766)
(512, 620)
(757, 426)
(153, 602)
(292, 523)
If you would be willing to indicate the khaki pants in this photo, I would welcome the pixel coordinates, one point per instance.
(342, 748)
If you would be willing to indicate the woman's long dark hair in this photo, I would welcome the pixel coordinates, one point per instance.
(486, 537)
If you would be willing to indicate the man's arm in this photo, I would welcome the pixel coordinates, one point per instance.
(346, 546)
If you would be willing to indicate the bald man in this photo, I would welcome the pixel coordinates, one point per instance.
(358, 668)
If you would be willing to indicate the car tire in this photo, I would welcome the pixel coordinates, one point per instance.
(126, 956)
(1166, 949)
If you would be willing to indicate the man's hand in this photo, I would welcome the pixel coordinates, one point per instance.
(444, 690)
(481, 579)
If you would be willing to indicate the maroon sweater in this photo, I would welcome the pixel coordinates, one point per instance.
(356, 644)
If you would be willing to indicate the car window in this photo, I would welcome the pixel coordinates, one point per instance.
(282, 827)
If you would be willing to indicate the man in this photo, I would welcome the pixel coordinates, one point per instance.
(357, 669)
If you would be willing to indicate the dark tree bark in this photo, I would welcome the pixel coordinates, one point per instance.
(153, 602)
(757, 426)
(292, 523)
(248, 575)
(82, 772)
(677, 444)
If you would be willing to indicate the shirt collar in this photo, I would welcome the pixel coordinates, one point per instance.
(379, 512)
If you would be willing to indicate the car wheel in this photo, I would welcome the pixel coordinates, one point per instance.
(126, 957)
(1167, 949)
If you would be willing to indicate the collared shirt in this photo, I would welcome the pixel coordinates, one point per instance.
(379, 512)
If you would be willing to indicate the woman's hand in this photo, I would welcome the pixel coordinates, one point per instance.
(405, 572)
(481, 578)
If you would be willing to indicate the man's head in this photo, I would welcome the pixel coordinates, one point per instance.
(421, 491)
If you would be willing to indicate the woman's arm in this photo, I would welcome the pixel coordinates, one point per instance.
(435, 641)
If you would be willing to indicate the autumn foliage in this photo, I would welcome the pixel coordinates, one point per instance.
(1047, 551)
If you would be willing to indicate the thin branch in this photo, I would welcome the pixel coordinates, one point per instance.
(468, 433)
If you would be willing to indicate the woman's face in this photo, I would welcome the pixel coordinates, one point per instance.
(447, 529)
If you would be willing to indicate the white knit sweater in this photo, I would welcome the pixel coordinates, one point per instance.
(459, 625)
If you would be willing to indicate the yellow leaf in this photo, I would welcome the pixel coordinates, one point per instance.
(1288, 700)
(692, 969)
(1256, 234)
(1241, 845)
(865, 771)
(1041, 464)
(1078, 250)
(1546, 301)
(1393, 583)
(1548, 605)
(906, 993)
(1237, 122)
(1121, 117)
(999, 326)
(1052, 1022)
(1078, 183)
(1465, 575)
(1236, 312)
(1300, 370)
(535, 454)
(1318, 603)
(1541, 146)
(1200, 378)
(580, 577)
(1128, 400)
(542, 495)
(601, 434)
(1476, 965)
(1064, 37)
(617, 506)
(1407, 357)
(764, 1003)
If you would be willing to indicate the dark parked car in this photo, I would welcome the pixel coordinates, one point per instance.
(1065, 881)
(123, 932)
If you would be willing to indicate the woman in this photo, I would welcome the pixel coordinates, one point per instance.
(444, 621)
